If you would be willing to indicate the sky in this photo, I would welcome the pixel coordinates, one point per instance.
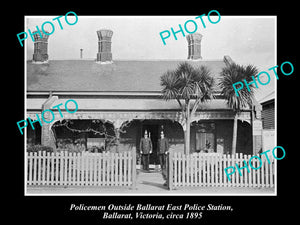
(246, 39)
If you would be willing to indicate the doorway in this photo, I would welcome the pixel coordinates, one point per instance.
(153, 133)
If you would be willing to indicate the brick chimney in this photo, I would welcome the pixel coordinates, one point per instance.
(40, 53)
(194, 46)
(104, 45)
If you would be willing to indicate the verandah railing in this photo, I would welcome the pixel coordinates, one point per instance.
(207, 170)
(81, 169)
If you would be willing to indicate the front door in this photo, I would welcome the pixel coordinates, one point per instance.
(152, 130)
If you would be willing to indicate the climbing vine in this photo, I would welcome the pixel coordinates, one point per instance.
(97, 127)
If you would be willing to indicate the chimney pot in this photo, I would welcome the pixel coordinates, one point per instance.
(40, 47)
(194, 46)
(104, 45)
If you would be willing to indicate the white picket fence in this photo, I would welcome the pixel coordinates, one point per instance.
(207, 169)
(81, 169)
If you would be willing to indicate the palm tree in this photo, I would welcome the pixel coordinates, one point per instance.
(184, 84)
(229, 75)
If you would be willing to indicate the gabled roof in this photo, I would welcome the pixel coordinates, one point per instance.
(121, 75)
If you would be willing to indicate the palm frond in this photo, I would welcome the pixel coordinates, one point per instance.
(204, 83)
(187, 82)
(236, 73)
(170, 83)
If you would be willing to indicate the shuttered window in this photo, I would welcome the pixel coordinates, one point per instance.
(268, 116)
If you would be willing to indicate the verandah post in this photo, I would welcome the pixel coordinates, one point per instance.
(188, 129)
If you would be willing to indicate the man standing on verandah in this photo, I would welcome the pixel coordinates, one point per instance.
(162, 149)
(145, 150)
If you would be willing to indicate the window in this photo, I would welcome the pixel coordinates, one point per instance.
(205, 137)
(205, 142)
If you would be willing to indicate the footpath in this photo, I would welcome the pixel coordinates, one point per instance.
(148, 183)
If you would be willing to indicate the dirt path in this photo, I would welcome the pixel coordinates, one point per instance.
(152, 182)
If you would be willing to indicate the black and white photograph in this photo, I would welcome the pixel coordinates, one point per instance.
(118, 107)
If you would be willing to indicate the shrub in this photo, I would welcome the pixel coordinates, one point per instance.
(36, 148)
(96, 149)
(71, 148)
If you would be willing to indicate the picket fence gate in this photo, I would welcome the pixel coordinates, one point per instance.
(81, 169)
(207, 170)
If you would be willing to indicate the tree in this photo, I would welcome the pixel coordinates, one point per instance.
(229, 75)
(186, 84)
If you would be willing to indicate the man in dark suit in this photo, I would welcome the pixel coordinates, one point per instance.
(145, 150)
(162, 149)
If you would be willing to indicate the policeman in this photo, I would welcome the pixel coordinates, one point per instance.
(163, 147)
(145, 150)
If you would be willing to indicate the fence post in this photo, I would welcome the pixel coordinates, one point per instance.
(30, 171)
(133, 167)
(170, 170)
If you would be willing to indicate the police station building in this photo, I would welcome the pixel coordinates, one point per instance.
(122, 98)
